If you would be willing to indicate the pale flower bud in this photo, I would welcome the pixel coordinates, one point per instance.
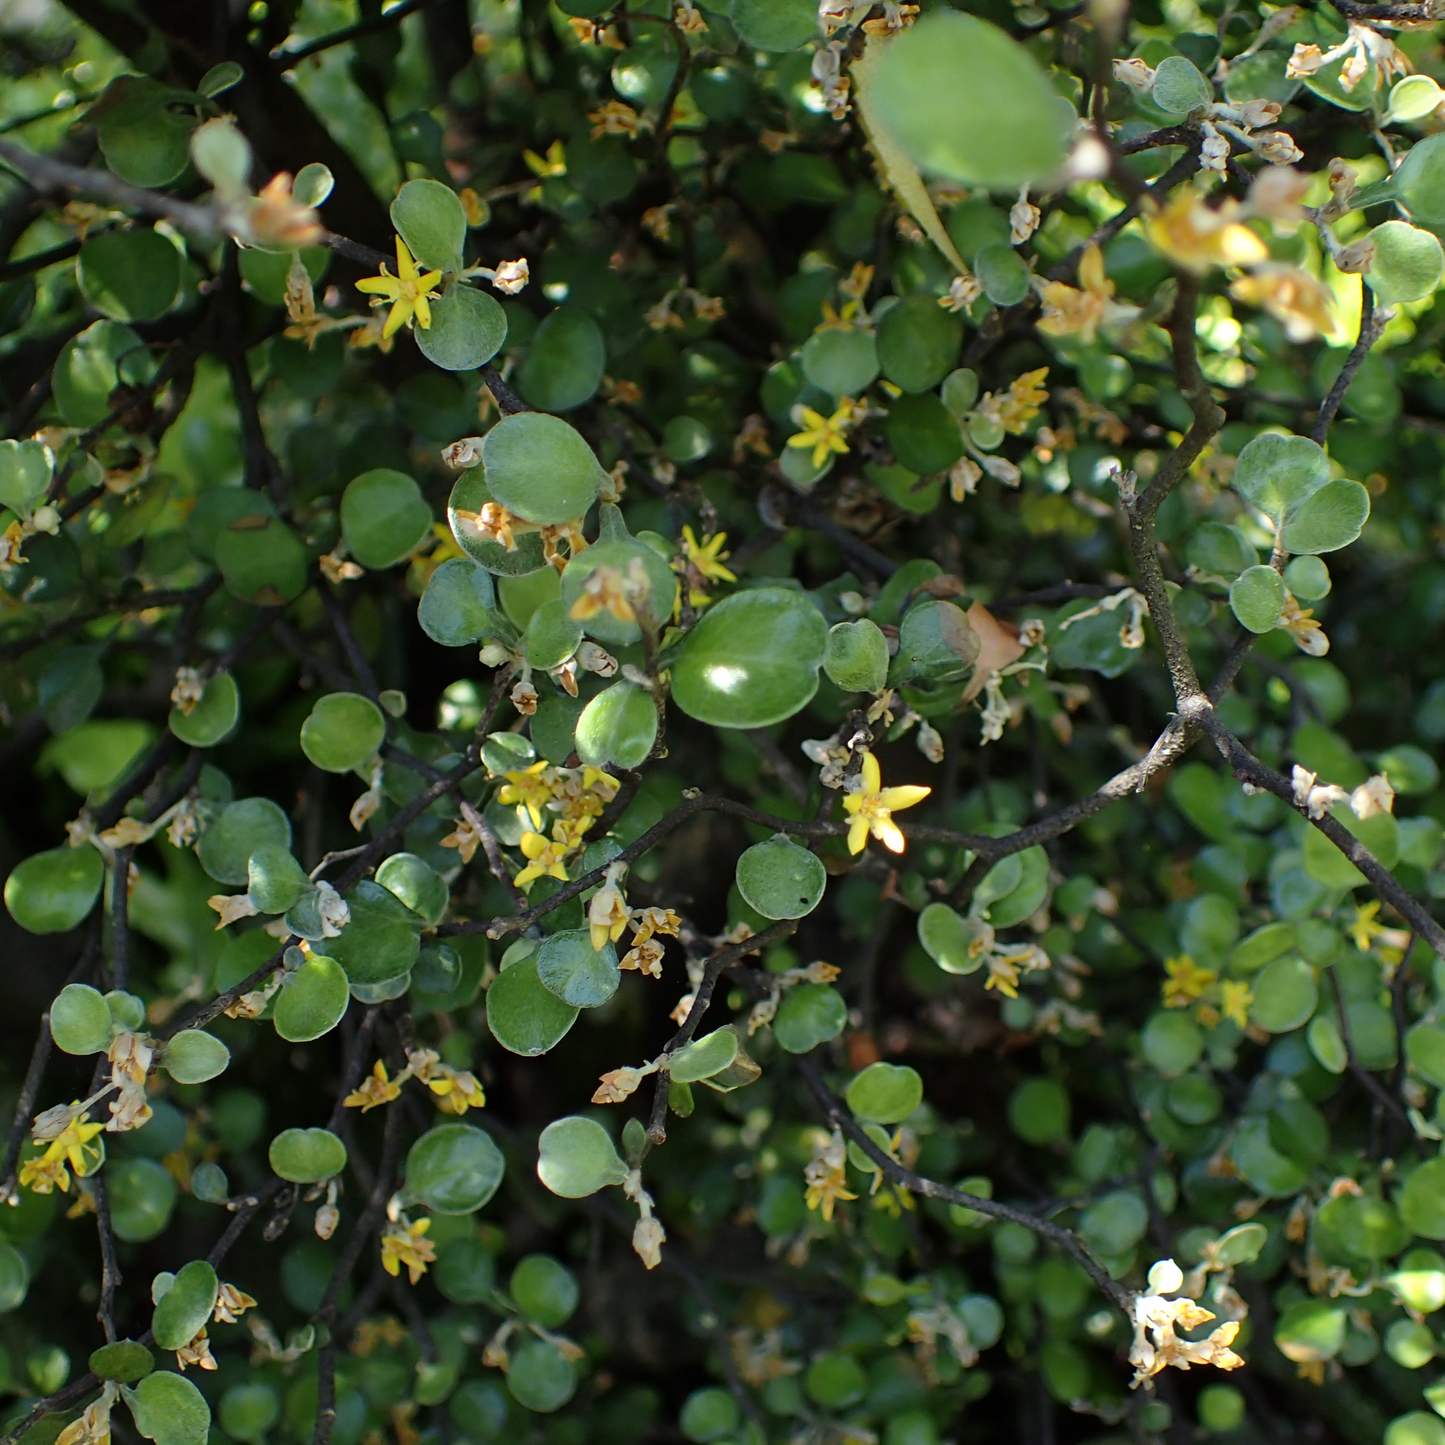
(511, 276)
(1373, 797)
(1135, 74)
(463, 454)
(1356, 258)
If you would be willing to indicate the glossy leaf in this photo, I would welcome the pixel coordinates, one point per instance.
(568, 966)
(306, 1156)
(576, 1157)
(453, 1169)
(54, 891)
(524, 1016)
(781, 880)
(343, 730)
(384, 517)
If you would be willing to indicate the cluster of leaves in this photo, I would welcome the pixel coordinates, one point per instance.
(745, 807)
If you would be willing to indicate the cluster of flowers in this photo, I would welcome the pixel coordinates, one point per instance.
(455, 1090)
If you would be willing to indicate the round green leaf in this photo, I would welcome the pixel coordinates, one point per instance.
(1263, 1166)
(307, 1156)
(1256, 597)
(264, 272)
(89, 369)
(835, 1381)
(1417, 1427)
(226, 846)
(1285, 995)
(1419, 181)
(1114, 1224)
(275, 880)
(1408, 263)
(14, 1278)
(1002, 273)
(1422, 1201)
(541, 1377)
(885, 1093)
(545, 1290)
(568, 966)
(129, 275)
(1278, 473)
(775, 24)
(842, 363)
(142, 1196)
(565, 362)
(125, 1362)
(704, 1057)
(1327, 1044)
(384, 517)
(262, 560)
(381, 941)
(625, 556)
(709, 1414)
(214, 716)
(576, 1157)
(525, 1016)
(948, 940)
(1241, 1245)
(540, 468)
(617, 728)
(249, 1411)
(186, 1306)
(1311, 1330)
(80, 1020)
(856, 656)
(810, 1014)
(551, 637)
(465, 1272)
(459, 604)
(752, 660)
(1038, 1111)
(417, 884)
(1179, 87)
(1363, 1226)
(343, 730)
(935, 644)
(54, 891)
(429, 218)
(453, 1169)
(781, 880)
(467, 329)
(923, 433)
(1322, 860)
(168, 1409)
(969, 104)
(470, 495)
(1171, 1042)
(1330, 519)
(150, 150)
(312, 1000)
(194, 1056)
(1424, 1047)
(918, 343)
(26, 469)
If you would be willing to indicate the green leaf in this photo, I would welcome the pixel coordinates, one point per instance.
(124, 1362)
(1278, 473)
(343, 730)
(417, 884)
(551, 636)
(923, 433)
(88, 370)
(1327, 1044)
(576, 1157)
(626, 556)
(1310, 1331)
(1026, 896)
(129, 275)
(885, 1093)
(526, 1017)
(709, 1414)
(617, 728)
(541, 1377)
(775, 24)
(169, 1409)
(1220, 551)
(213, 718)
(381, 941)
(544, 1290)
(275, 880)
(1408, 263)
(1115, 1223)
(856, 656)
(429, 218)
(704, 1057)
(194, 1056)
(470, 494)
(841, 362)
(80, 1020)
(1419, 181)
(465, 1272)
(312, 1000)
(540, 468)
(262, 560)
(467, 329)
(1038, 1111)
(1422, 1201)
(935, 644)
(26, 468)
(1308, 578)
(1256, 597)
(1322, 860)
(949, 940)
(1001, 271)
(453, 1169)
(781, 880)
(565, 361)
(1263, 1167)
(918, 343)
(54, 891)
(752, 660)
(185, 1308)
(142, 1196)
(568, 966)
(1330, 519)
(149, 150)
(14, 1278)
(969, 104)
(307, 1156)
(221, 78)
(1178, 87)
(226, 846)
(459, 604)
(384, 517)
(249, 1411)
(810, 1014)
(1285, 995)
(1240, 1245)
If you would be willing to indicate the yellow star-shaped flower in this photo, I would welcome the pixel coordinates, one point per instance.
(872, 806)
(1365, 929)
(1235, 999)
(824, 434)
(1186, 981)
(409, 291)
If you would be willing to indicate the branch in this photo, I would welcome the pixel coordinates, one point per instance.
(1372, 323)
(839, 1115)
(290, 59)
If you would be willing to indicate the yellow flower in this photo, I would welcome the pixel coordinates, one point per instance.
(1026, 394)
(406, 1244)
(873, 806)
(702, 563)
(614, 118)
(1301, 304)
(466, 837)
(375, 1091)
(457, 1091)
(605, 590)
(1002, 975)
(826, 1178)
(409, 291)
(1235, 999)
(1198, 236)
(531, 789)
(824, 434)
(1186, 981)
(546, 857)
(554, 164)
(1365, 929)
(1301, 625)
(1069, 312)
